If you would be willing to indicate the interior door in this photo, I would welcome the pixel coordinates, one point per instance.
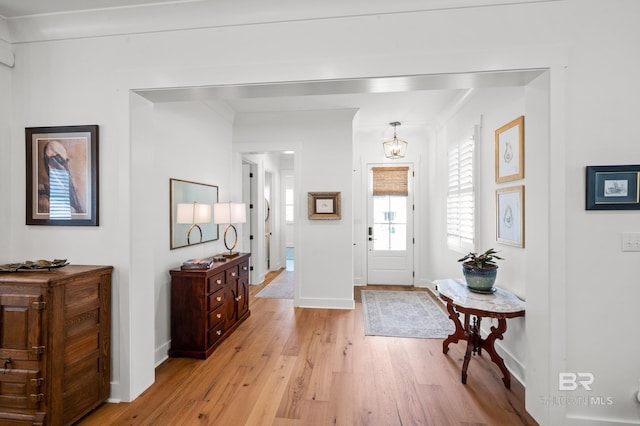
(390, 224)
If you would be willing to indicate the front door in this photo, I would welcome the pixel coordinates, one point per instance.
(390, 225)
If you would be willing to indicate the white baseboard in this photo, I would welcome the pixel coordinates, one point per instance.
(162, 353)
(307, 302)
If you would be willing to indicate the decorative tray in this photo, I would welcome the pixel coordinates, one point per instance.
(29, 265)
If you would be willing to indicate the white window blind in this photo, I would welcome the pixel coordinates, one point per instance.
(460, 196)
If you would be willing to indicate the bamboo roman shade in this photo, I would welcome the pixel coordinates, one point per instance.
(391, 180)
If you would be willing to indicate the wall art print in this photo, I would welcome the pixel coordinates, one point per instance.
(324, 205)
(510, 151)
(613, 187)
(62, 175)
(510, 215)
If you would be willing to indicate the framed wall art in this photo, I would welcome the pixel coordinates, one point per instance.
(62, 175)
(613, 187)
(324, 205)
(510, 151)
(191, 214)
(510, 216)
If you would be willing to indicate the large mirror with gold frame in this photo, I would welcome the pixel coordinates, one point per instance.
(191, 214)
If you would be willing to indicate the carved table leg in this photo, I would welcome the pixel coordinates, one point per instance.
(467, 357)
(459, 332)
(474, 343)
(488, 344)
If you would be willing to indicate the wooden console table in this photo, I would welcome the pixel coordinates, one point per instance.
(500, 305)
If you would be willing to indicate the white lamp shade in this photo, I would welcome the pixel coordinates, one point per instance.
(229, 213)
(194, 213)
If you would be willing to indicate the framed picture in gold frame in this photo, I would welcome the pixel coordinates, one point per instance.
(324, 205)
(510, 216)
(510, 151)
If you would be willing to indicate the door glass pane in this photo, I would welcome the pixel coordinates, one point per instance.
(397, 237)
(381, 236)
(389, 222)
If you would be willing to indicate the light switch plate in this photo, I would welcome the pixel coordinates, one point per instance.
(631, 241)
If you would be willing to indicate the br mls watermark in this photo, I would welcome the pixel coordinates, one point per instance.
(568, 381)
(571, 381)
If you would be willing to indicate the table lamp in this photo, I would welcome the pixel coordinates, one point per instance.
(194, 214)
(229, 213)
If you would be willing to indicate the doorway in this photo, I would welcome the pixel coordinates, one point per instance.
(390, 224)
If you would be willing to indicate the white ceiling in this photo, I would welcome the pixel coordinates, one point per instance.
(412, 100)
(14, 8)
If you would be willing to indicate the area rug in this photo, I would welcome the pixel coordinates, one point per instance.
(280, 288)
(404, 314)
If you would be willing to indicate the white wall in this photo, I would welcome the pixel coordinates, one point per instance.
(589, 47)
(322, 143)
(5, 149)
(602, 290)
(182, 140)
(207, 137)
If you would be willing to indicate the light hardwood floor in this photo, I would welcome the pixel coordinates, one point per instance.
(293, 366)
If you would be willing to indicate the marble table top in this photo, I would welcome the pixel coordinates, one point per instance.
(501, 302)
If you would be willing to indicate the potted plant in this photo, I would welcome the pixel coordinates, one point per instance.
(480, 270)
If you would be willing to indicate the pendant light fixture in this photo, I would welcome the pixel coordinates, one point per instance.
(395, 148)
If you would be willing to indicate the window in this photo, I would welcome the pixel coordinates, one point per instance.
(390, 192)
(288, 199)
(461, 197)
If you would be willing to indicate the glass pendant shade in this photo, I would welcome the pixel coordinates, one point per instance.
(395, 148)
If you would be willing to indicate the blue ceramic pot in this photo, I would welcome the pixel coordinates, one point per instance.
(480, 280)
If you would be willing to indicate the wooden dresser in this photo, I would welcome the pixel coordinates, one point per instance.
(55, 329)
(207, 305)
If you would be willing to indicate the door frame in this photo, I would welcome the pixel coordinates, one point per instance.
(411, 240)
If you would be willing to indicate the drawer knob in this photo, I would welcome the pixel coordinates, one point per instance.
(233, 274)
(219, 315)
(218, 281)
(244, 268)
(219, 332)
(218, 298)
(238, 298)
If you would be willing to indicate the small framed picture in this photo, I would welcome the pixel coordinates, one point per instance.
(324, 205)
(510, 151)
(510, 216)
(613, 187)
(62, 175)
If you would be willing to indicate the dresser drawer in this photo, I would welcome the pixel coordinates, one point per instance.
(215, 316)
(244, 269)
(20, 389)
(216, 299)
(215, 282)
(232, 274)
(215, 333)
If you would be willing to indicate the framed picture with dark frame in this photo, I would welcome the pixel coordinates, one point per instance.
(62, 175)
(510, 216)
(613, 187)
(509, 151)
(324, 205)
